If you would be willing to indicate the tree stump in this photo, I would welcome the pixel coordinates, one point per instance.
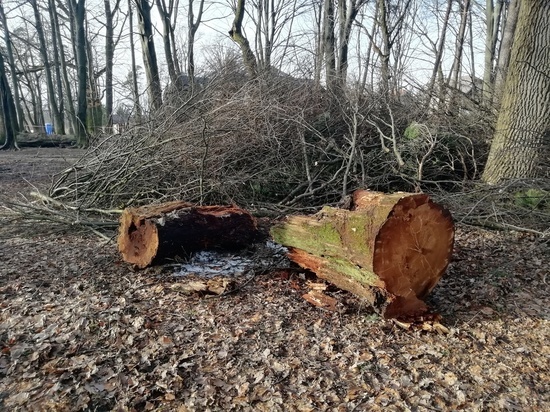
(391, 249)
(156, 232)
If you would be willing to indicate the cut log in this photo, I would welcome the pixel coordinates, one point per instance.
(157, 232)
(391, 249)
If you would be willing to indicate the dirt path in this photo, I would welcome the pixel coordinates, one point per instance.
(79, 330)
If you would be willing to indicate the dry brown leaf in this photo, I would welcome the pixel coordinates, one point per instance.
(318, 298)
(316, 285)
(220, 285)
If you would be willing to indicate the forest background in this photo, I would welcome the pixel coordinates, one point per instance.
(287, 104)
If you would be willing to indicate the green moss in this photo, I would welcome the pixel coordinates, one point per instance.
(531, 198)
(357, 233)
(355, 272)
(412, 132)
(317, 239)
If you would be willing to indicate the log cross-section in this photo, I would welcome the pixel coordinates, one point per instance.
(391, 249)
(157, 232)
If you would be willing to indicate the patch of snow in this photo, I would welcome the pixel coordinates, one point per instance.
(210, 263)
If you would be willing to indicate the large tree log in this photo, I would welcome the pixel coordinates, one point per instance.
(390, 249)
(156, 232)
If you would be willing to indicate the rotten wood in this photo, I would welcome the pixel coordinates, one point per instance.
(391, 249)
(157, 232)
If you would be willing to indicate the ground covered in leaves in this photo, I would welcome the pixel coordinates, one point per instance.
(80, 330)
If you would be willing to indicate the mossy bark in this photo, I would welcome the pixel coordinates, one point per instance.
(390, 249)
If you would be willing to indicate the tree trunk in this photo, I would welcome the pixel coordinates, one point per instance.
(238, 37)
(193, 26)
(11, 62)
(57, 57)
(390, 249)
(64, 73)
(347, 12)
(522, 133)
(457, 63)
(109, 56)
(135, 90)
(329, 46)
(439, 53)
(505, 49)
(57, 120)
(493, 17)
(78, 14)
(7, 105)
(165, 12)
(319, 46)
(149, 53)
(157, 232)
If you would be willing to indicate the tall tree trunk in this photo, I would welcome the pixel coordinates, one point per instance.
(347, 12)
(329, 45)
(64, 73)
(368, 53)
(11, 62)
(319, 44)
(459, 52)
(149, 54)
(109, 57)
(57, 119)
(135, 91)
(192, 27)
(238, 37)
(9, 114)
(384, 51)
(57, 65)
(506, 48)
(78, 10)
(493, 16)
(94, 117)
(165, 12)
(521, 139)
(439, 52)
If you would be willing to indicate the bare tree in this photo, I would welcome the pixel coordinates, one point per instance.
(149, 54)
(166, 11)
(236, 33)
(8, 114)
(68, 95)
(11, 62)
(493, 15)
(347, 13)
(78, 14)
(456, 69)
(134, 85)
(192, 27)
(109, 56)
(510, 22)
(54, 107)
(390, 21)
(439, 49)
(329, 45)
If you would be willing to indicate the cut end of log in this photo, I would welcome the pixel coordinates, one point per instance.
(391, 249)
(157, 232)
(413, 247)
(138, 240)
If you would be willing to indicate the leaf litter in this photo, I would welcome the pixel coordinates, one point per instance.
(80, 330)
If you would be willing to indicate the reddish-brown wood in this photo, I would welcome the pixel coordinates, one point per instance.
(391, 249)
(156, 232)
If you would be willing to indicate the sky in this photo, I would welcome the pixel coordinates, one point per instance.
(212, 39)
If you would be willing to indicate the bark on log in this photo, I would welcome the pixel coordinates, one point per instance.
(391, 249)
(153, 233)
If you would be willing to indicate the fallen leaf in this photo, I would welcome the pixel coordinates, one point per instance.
(318, 298)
